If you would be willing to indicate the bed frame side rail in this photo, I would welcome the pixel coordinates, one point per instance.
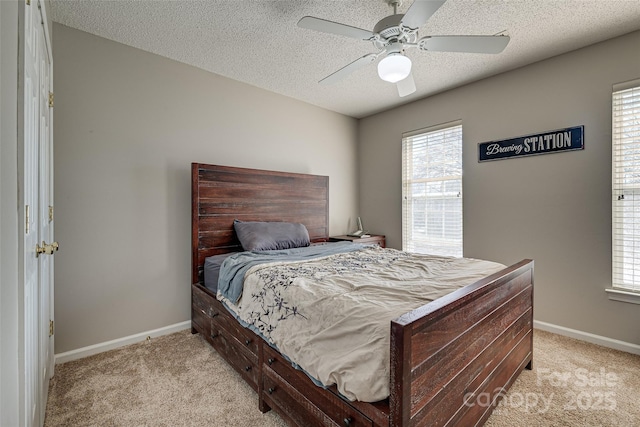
(453, 359)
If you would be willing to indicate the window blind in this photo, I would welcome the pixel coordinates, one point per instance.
(626, 188)
(432, 191)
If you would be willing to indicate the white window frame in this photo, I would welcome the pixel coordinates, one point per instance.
(625, 185)
(450, 184)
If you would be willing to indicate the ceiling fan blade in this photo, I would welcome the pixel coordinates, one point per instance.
(330, 27)
(406, 86)
(470, 44)
(348, 69)
(419, 12)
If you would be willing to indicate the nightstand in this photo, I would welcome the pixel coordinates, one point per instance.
(373, 238)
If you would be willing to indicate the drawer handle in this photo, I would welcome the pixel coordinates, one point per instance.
(271, 390)
(214, 314)
(247, 342)
(247, 368)
(348, 421)
(214, 335)
(271, 361)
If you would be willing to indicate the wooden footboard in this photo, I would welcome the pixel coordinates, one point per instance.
(453, 359)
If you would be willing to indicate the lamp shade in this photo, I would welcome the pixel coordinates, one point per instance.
(394, 67)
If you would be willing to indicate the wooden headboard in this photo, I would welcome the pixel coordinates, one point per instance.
(220, 194)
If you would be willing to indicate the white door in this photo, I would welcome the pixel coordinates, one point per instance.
(31, 209)
(38, 171)
(45, 203)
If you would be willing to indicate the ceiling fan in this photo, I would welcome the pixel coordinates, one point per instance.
(396, 33)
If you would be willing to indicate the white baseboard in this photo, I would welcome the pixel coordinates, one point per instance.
(586, 336)
(120, 342)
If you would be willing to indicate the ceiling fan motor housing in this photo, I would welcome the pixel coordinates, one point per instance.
(389, 27)
(389, 31)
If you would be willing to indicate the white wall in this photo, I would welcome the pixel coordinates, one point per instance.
(554, 208)
(128, 124)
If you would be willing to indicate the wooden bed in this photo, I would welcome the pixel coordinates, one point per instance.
(470, 343)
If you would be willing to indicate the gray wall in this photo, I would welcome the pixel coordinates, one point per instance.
(128, 124)
(554, 208)
(10, 336)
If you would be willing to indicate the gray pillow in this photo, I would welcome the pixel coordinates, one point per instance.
(266, 236)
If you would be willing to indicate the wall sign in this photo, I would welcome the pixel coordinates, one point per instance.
(530, 145)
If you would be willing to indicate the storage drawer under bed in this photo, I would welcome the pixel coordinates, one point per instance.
(236, 344)
(242, 337)
(243, 361)
(281, 386)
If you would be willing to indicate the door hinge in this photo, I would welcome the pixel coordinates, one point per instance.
(50, 213)
(26, 219)
(28, 2)
(50, 328)
(50, 99)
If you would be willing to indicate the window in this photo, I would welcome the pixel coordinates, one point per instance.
(626, 190)
(432, 190)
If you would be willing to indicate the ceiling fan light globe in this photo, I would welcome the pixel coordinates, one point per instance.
(394, 67)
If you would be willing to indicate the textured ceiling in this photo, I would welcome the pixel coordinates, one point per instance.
(259, 43)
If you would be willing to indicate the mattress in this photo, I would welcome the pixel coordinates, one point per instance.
(212, 271)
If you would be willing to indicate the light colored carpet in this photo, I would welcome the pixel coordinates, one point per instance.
(179, 380)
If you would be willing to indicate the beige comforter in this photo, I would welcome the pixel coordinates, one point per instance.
(331, 316)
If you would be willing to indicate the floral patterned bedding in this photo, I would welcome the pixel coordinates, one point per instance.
(331, 316)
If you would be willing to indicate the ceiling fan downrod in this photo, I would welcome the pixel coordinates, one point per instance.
(395, 4)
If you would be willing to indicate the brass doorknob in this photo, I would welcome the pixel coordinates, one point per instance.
(46, 249)
(39, 250)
